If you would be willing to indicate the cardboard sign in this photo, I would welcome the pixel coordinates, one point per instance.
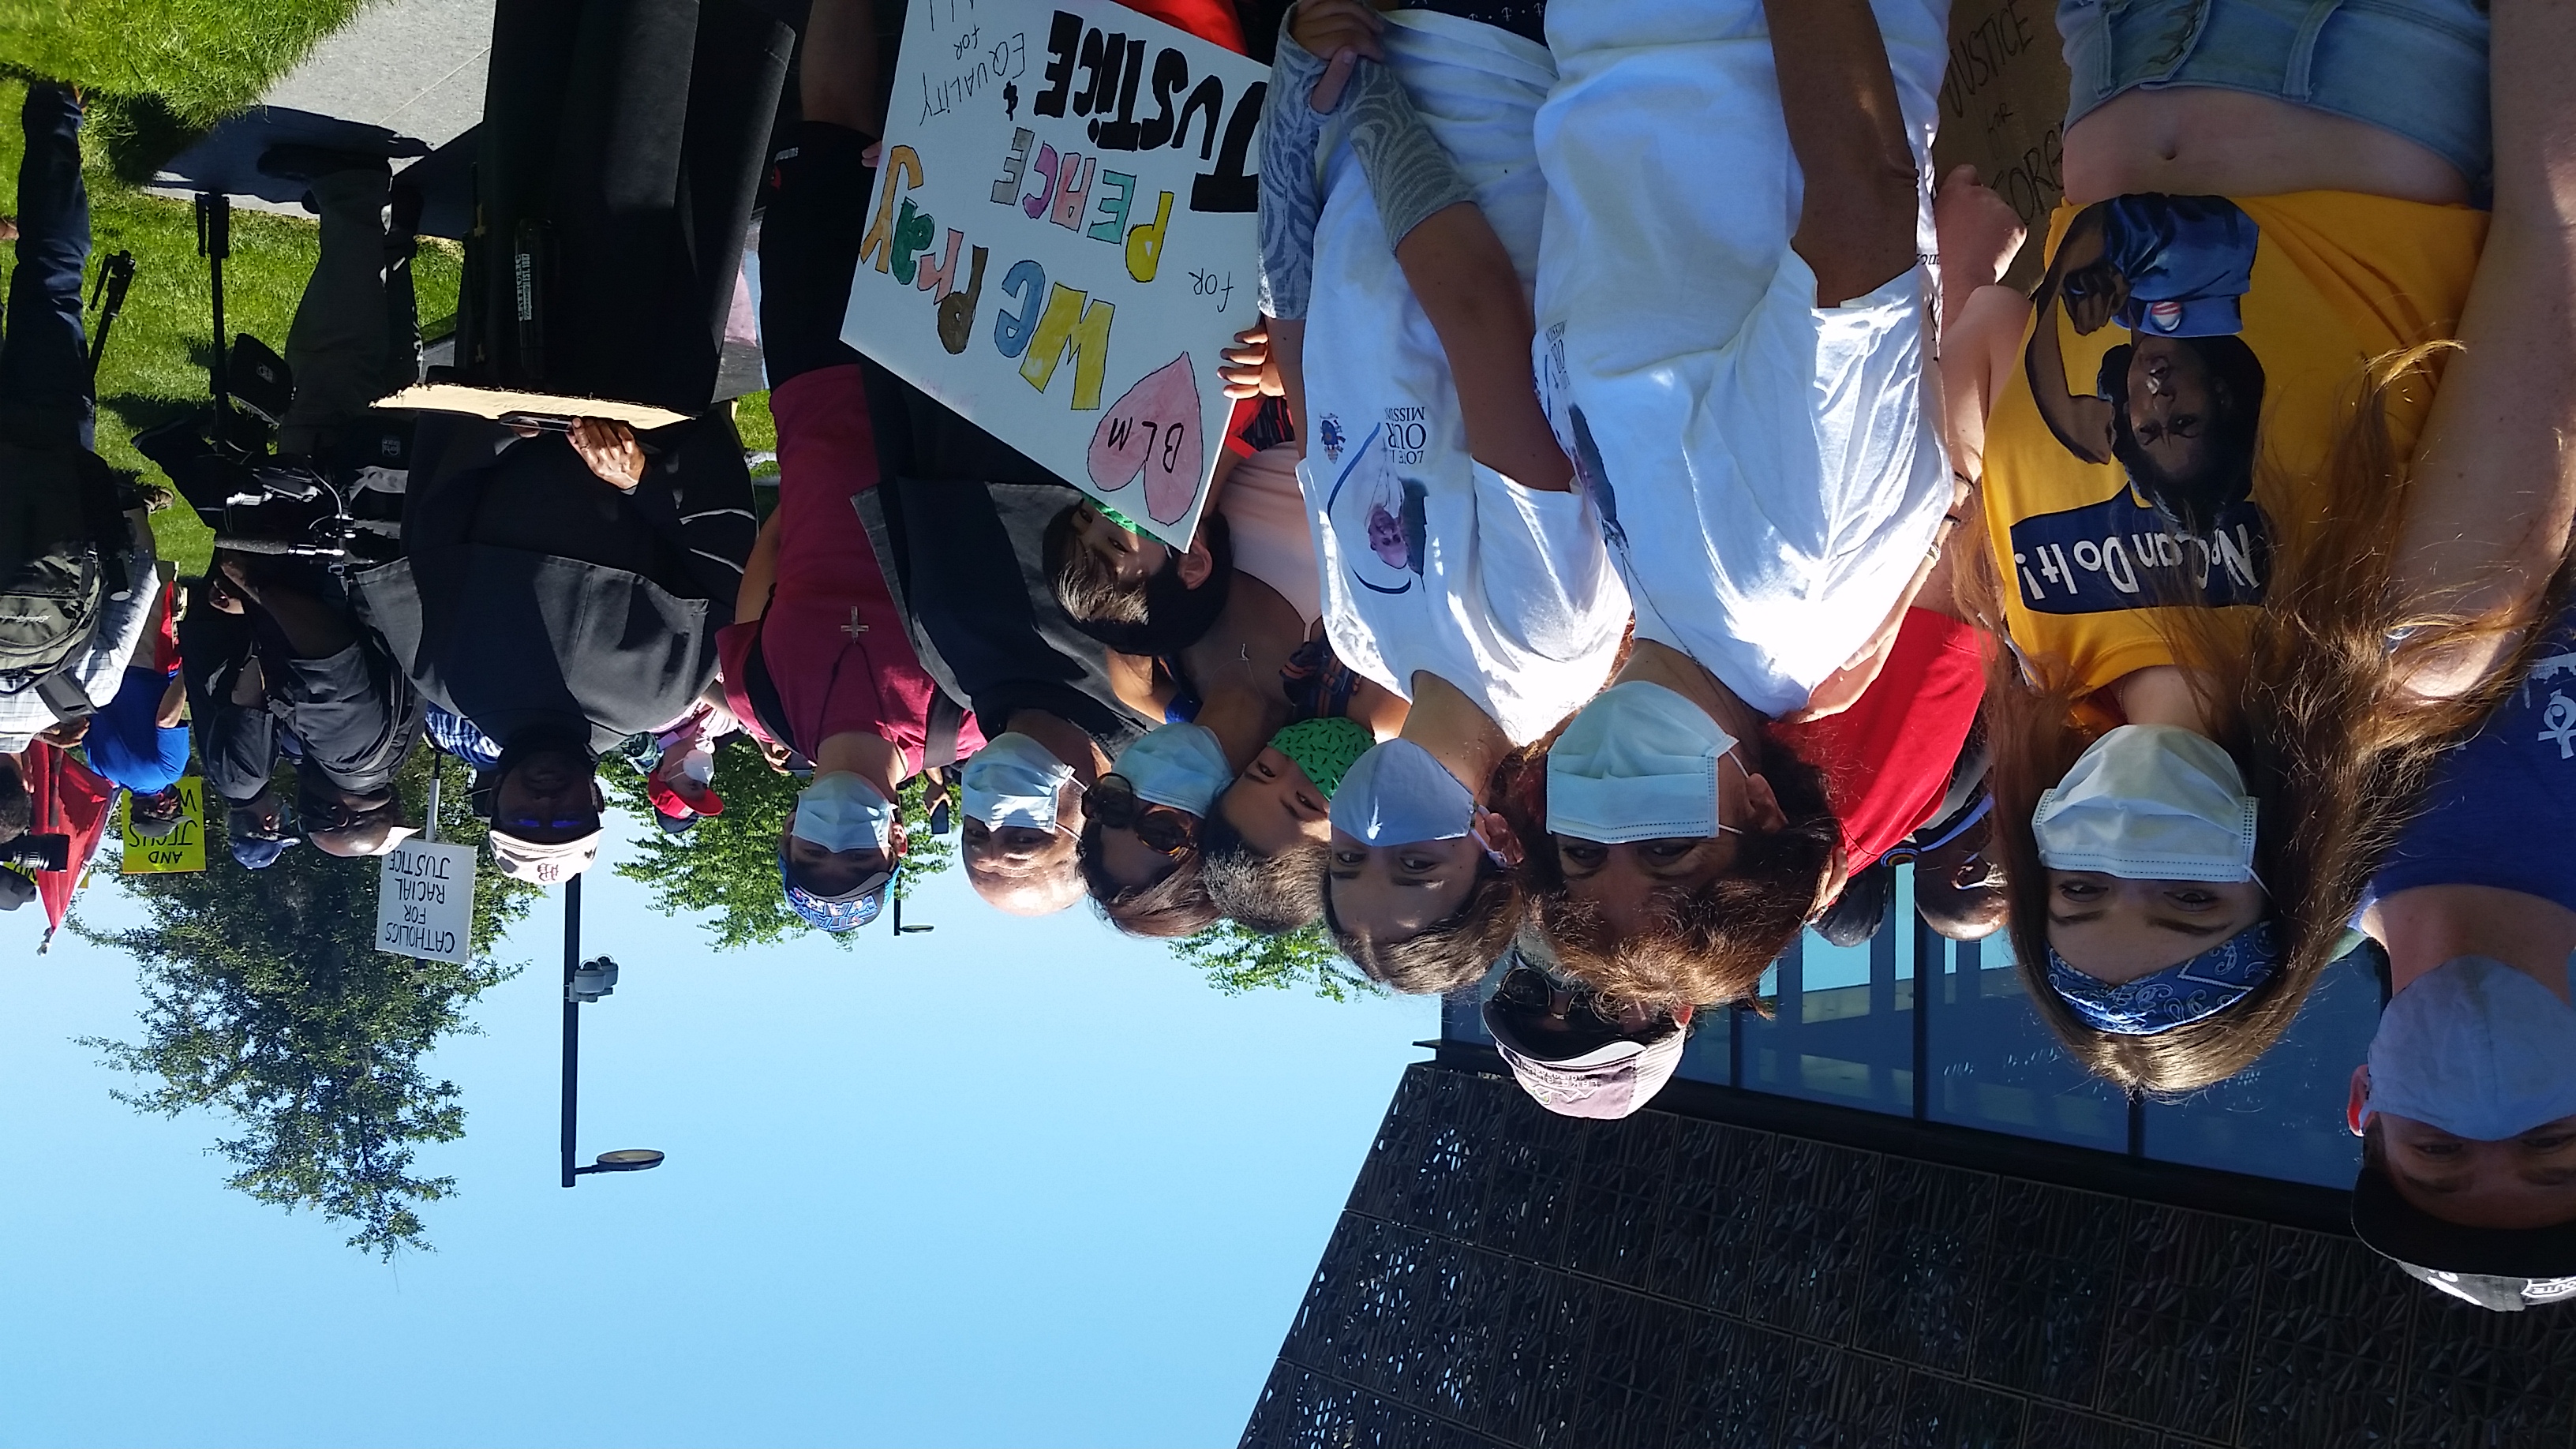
(2003, 102)
(425, 902)
(183, 849)
(1063, 241)
(498, 403)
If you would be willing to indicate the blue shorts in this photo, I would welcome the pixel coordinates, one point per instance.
(2417, 68)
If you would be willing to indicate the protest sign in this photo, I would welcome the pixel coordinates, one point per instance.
(1063, 241)
(425, 902)
(183, 849)
(2003, 99)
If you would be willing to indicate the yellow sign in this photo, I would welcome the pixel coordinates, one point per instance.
(182, 849)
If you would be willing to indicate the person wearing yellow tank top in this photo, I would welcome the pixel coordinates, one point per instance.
(2191, 445)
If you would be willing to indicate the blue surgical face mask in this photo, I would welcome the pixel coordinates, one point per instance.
(1179, 765)
(840, 811)
(2477, 1049)
(1398, 793)
(2150, 802)
(1013, 781)
(1639, 762)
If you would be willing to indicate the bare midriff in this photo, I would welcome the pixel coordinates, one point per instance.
(2203, 141)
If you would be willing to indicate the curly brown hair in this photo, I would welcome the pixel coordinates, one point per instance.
(1710, 946)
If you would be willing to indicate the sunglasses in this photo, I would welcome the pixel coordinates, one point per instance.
(334, 815)
(1527, 991)
(536, 822)
(1114, 803)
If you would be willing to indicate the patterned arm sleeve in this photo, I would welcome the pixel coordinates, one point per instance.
(1290, 129)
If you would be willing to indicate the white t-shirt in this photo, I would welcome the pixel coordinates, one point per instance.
(1770, 473)
(1265, 516)
(1427, 559)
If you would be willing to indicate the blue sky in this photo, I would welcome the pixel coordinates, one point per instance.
(1010, 1183)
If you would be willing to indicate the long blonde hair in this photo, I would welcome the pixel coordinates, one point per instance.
(2334, 750)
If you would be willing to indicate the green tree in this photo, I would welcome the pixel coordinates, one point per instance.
(727, 864)
(1237, 959)
(266, 1001)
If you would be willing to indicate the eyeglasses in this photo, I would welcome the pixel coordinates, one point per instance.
(1114, 803)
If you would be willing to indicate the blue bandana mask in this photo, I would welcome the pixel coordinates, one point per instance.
(2475, 1048)
(2203, 986)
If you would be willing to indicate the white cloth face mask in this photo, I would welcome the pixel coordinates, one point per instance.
(1179, 765)
(2475, 1048)
(1013, 781)
(840, 811)
(2150, 802)
(1638, 763)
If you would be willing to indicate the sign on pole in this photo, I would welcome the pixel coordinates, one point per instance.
(1063, 241)
(183, 849)
(425, 902)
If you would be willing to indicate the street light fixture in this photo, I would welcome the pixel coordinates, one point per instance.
(900, 928)
(625, 1159)
(586, 981)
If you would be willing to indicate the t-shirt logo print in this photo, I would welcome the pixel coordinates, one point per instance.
(2178, 405)
(2558, 725)
(1378, 520)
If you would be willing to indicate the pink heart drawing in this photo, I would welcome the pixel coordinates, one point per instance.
(1154, 430)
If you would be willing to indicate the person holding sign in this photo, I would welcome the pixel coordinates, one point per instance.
(1734, 317)
(819, 658)
(1459, 568)
(2194, 444)
(954, 520)
(562, 589)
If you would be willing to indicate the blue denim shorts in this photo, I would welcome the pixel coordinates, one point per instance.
(2414, 67)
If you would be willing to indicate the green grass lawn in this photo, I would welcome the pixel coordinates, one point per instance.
(201, 58)
(156, 71)
(155, 367)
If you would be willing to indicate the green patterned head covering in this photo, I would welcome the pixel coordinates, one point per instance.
(1121, 519)
(1324, 748)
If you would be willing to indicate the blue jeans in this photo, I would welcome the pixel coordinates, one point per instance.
(2417, 68)
(47, 396)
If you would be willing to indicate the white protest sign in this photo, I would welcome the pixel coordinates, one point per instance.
(425, 902)
(1063, 241)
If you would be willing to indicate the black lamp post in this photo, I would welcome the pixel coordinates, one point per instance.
(900, 928)
(586, 983)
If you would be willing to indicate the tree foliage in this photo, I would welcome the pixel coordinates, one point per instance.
(1237, 959)
(266, 1001)
(727, 865)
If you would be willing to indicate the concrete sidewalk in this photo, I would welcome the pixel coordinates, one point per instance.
(405, 76)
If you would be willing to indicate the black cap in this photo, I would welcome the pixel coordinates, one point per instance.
(2504, 1269)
